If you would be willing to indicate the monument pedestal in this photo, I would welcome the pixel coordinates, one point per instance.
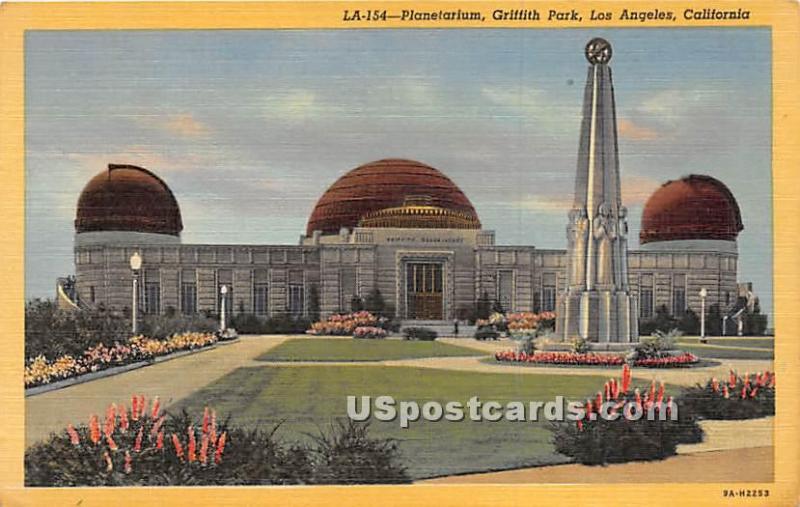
(598, 316)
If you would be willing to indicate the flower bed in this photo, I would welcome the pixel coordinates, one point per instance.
(595, 440)
(592, 359)
(40, 371)
(143, 446)
(345, 324)
(369, 332)
(748, 396)
(570, 358)
(676, 361)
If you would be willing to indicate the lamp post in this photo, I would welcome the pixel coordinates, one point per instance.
(223, 291)
(136, 265)
(703, 294)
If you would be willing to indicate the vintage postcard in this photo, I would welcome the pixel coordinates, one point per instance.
(455, 253)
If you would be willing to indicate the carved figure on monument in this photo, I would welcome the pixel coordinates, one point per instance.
(577, 236)
(622, 246)
(603, 236)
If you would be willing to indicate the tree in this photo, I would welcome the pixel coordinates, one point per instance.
(714, 321)
(754, 323)
(689, 323)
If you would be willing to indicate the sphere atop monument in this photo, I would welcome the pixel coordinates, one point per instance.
(598, 50)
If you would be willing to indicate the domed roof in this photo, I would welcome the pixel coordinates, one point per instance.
(388, 183)
(694, 207)
(128, 198)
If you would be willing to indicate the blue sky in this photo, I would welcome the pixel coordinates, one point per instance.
(250, 127)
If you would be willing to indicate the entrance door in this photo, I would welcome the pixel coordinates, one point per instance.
(424, 295)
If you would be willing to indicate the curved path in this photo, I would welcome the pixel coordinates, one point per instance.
(171, 380)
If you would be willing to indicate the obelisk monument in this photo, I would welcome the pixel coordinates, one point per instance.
(597, 305)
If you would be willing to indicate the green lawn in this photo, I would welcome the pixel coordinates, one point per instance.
(320, 349)
(756, 343)
(308, 397)
(719, 352)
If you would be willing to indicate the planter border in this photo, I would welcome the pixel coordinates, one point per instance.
(108, 372)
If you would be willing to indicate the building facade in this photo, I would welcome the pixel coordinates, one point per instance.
(430, 259)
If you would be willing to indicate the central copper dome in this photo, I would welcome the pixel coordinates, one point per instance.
(388, 183)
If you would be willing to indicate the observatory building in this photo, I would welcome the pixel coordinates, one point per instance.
(406, 229)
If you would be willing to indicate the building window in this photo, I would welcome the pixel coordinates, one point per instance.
(189, 298)
(261, 292)
(296, 299)
(505, 289)
(348, 287)
(549, 292)
(152, 298)
(260, 299)
(188, 295)
(646, 296)
(91, 293)
(678, 295)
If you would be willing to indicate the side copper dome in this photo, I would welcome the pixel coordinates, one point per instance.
(693, 207)
(128, 198)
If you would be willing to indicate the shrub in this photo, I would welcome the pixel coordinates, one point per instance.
(599, 441)
(579, 345)
(52, 332)
(162, 326)
(419, 333)
(143, 447)
(486, 333)
(369, 332)
(526, 346)
(741, 397)
(656, 346)
(347, 455)
(247, 323)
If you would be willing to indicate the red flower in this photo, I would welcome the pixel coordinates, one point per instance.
(73, 435)
(580, 425)
(156, 405)
(111, 444)
(205, 420)
(123, 419)
(178, 447)
(134, 408)
(160, 440)
(94, 429)
(204, 449)
(137, 446)
(190, 453)
(220, 448)
(128, 463)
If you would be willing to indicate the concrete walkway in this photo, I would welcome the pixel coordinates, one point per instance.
(753, 464)
(171, 380)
